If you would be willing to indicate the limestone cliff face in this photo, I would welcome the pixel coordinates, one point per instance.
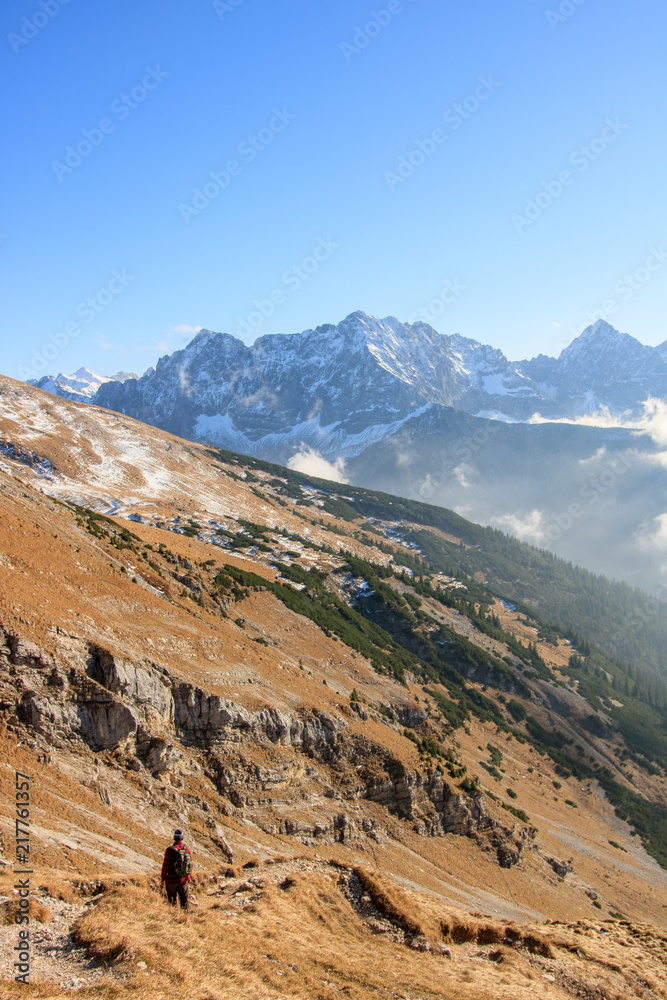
(305, 775)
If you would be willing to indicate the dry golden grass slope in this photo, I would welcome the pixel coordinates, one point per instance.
(138, 697)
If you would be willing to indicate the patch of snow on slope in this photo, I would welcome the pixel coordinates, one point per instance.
(495, 385)
(496, 415)
(329, 440)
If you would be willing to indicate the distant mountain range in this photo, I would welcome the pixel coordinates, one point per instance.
(338, 388)
(442, 418)
(81, 387)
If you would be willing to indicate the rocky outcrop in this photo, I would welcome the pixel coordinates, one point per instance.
(131, 682)
(423, 799)
(301, 775)
(434, 809)
(81, 708)
(22, 653)
(561, 868)
(409, 716)
(207, 720)
(158, 753)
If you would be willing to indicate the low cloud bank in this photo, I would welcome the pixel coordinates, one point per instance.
(311, 463)
(653, 420)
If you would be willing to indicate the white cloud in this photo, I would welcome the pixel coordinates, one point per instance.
(653, 536)
(189, 330)
(105, 344)
(263, 399)
(601, 418)
(170, 341)
(660, 458)
(527, 526)
(404, 457)
(464, 474)
(595, 458)
(184, 382)
(311, 463)
(653, 420)
(652, 539)
(426, 488)
(317, 408)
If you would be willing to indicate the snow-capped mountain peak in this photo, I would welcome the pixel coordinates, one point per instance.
(598, 339)
(337, 387)
(82, 386)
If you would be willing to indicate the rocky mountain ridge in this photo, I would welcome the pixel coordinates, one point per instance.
(82, 386)
(442, 418)
(339, 387)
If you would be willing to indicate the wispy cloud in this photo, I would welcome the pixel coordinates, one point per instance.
(264, 398)
(173, 338)
(528, 526)
(655, 417)
(184, 381)
(601, 418)
(465, 475)
(109, 345)
(651, 540)
(187, 330)
(652, 421)
(317, 408)
(311, 463)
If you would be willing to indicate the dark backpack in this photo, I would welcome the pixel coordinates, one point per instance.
(181, 862)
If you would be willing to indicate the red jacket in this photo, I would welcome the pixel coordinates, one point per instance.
(170, 856)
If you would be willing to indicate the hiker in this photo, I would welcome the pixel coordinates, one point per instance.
(176, 869)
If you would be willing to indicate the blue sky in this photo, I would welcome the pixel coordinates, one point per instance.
(364, 156)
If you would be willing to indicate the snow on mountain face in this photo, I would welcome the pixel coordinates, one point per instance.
(324, 384)
(335, 388)
(603, 367)
(339, 389)
(81, 386)
(490, 374)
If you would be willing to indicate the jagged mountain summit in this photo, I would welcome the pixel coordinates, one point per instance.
(336, 388)
(406, 409)
(601, 368)
(340, 388)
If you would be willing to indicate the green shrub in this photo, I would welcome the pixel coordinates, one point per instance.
(516, 710)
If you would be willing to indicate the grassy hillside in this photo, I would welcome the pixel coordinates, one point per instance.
(627, 625)
(294, 669)
(616, 666)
